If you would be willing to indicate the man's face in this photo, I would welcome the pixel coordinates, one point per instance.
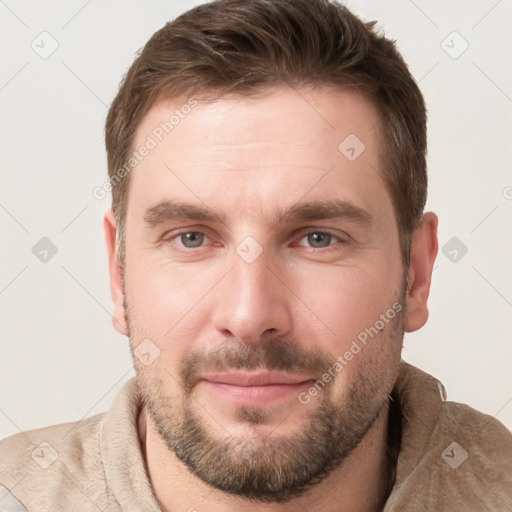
(250, 303)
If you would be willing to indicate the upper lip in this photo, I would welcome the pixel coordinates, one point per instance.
(260, 378)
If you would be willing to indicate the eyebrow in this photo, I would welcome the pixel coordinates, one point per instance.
(173, 210)
(315, 210)
(323, 210)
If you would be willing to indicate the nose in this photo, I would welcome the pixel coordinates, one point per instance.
(252, 301)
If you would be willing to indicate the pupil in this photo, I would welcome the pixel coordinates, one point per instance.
(317, 237)
(191, 239)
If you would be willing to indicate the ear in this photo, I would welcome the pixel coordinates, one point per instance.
(116, 278)
(424, 248)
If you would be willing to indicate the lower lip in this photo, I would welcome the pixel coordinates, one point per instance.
(256, 395)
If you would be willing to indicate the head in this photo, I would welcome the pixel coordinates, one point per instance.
(273, 223)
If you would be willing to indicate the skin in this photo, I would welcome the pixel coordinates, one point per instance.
(247, 158)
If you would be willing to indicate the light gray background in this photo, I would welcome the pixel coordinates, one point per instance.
(61, 359)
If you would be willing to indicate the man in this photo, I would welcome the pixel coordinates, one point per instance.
(268, 249)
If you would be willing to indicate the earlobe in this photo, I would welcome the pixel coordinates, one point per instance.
(424, 248)
(116, 276)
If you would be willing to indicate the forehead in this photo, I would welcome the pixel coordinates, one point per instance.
(280, 115)
(287, 140)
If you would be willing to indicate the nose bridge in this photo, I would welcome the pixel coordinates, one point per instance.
(251, 299)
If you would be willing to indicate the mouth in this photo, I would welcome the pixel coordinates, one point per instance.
(254, 388)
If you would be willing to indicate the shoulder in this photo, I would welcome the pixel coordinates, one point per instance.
(452, 457)
(466, 464)
(478, 439)
(477, 428)
(40, 465)
(470, 459)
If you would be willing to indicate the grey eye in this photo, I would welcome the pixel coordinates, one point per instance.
(319, 240)
(192, 239)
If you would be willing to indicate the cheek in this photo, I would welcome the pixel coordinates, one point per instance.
(168, 306)
(345, 301)
(357, 308)
(162, 297)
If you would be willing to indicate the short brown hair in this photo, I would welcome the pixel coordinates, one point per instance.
(244, 46)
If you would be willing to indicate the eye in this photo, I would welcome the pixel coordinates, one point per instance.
(188, 239)
(320, 239)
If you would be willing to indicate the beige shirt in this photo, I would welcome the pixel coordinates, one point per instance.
(452, 458)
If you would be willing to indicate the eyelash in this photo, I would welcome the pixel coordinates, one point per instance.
(304, 234)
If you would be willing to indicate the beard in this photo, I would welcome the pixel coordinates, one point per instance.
(268, 467)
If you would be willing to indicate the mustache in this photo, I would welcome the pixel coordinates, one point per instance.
(271, 355)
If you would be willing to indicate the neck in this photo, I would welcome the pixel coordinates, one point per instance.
(361, 483)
